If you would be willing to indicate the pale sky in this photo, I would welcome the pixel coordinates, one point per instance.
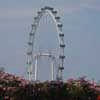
(81, 19)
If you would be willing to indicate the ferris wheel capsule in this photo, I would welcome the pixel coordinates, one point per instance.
(61, 56)
(30, 43)
(49, 8)
(29, 53)
(33, 25)
(54, 12)
(31, 34)
(60, 25)
(61, 68)
(58, 18)
(61, 35)
(62, 45)
(39, 12)
(42, 9)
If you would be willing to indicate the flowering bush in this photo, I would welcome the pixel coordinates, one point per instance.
(16, 88)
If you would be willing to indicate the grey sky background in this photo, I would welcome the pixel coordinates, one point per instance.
(81, 19)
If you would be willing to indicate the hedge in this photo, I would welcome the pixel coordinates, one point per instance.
(16, 88)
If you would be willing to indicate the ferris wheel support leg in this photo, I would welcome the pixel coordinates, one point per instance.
(29, 76)
(36, 68)
(61, 77)
(52, 70)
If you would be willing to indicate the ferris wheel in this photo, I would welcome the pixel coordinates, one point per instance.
(32, 56)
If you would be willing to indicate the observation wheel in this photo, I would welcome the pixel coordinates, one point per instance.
(32, 69)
